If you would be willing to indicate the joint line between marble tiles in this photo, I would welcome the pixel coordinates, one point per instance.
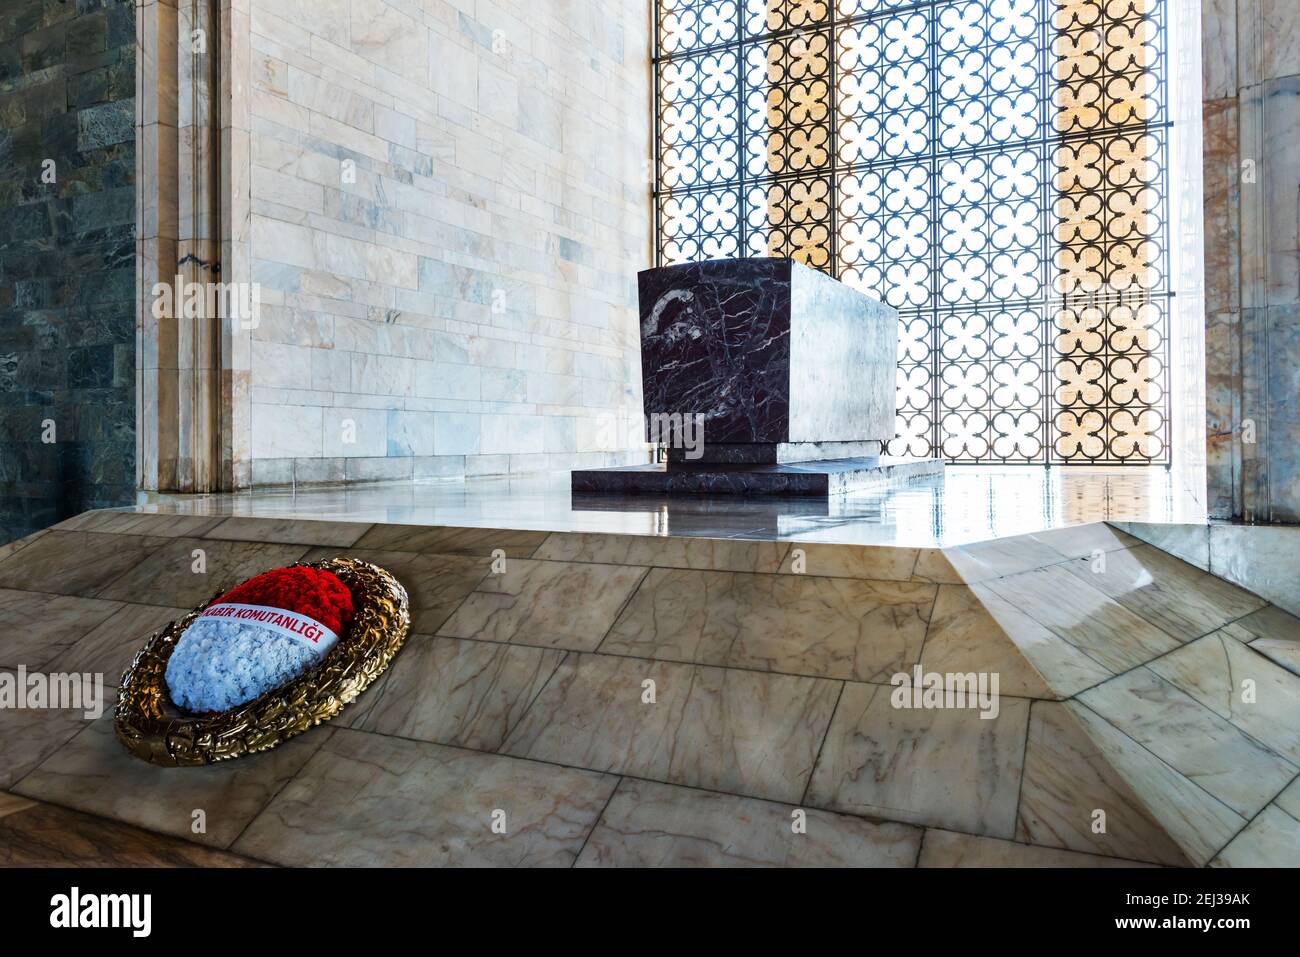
(1139, 744)
(1272, 802)
(614, 619)
(599, 817)
(283, 784)
(826, 733)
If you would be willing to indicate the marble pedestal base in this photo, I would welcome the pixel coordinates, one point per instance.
(818, 479)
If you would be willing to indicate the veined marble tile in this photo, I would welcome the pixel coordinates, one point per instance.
(29, 735)
(140, 523)
(168, 576)
(38, 627)
(1182, 600)
(95, 774)
(1289, 800)
(1082, 541)
(972, 629)
(797, 624)
(879, 563)
(1189, 542)
(450, 691)
(949, 768)
(436, 584)
(289, 531)
(75, 563)
(1099, 626)
(980, 561)
(109, 647)
(1213, 669)
(726, 730)
(1263, 558)
(1273, 633)
(950, 849)
(12, 804)
(476, 542)
(1077, 764)
(18, 544)
(365, 800)
(704, 553)
(559, 604)
(1272, 839)
(659, 825)
(1192, 739)
(49, 836)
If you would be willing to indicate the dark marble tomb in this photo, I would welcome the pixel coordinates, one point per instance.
(764, 377)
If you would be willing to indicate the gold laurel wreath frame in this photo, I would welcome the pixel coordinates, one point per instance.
(151, 727)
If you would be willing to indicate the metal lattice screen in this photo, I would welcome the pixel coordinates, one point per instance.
(994, 169)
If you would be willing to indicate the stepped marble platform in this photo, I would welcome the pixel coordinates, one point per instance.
(819, 479)
(1118, 664)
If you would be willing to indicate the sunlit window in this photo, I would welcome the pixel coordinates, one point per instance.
(994, 169)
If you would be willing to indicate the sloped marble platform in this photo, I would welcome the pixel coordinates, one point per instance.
(820, 479)
(1119, 672)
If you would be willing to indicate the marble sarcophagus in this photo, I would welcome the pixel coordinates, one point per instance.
(761, 376)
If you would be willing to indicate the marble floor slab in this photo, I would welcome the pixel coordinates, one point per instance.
(875, 562)
(726, 730)
(556, 604)
(18, 544)
(114, 522)
(1272, 839)
(439, 806)
(38, 627)
(174, 575)
(446, 690)
(1272, 632)
(947, 768)
(659, 825)
(76, 563)
(1085, 541)
(435, 584)
(951, 849)
(1089, 787)
(474, 542)
(49, 836)
(28, 736)
(1205, 748)
(1240, 685)
(287, 531)
(982, 561)
(794, 624)
(109, 647)
(724, 679)
(1182, 600)
(715, 554)
(95, 774)
(972, 629)
(1098, 625)
(12, 804)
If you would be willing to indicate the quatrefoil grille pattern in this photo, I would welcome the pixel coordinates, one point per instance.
(994, 169)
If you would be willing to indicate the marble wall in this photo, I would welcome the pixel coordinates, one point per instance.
(1251, 86)
(449, 205)
(67, 228)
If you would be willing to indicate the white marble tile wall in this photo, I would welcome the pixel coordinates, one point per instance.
(450, 202)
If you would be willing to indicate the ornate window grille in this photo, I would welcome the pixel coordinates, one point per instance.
(994, 169)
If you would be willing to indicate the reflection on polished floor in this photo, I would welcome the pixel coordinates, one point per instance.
(967, 504)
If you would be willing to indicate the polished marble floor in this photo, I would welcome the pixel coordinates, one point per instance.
(967, 504)
(522, 699)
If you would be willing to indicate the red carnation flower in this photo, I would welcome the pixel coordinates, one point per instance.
(313, 592)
